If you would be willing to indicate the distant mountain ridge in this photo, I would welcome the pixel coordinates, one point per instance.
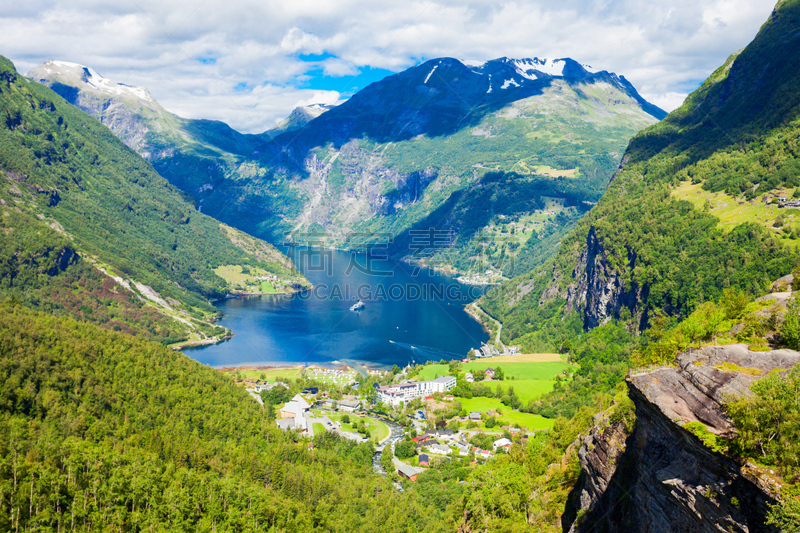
(299, 117)
(134, 116)
(445, 145)
(442, 95)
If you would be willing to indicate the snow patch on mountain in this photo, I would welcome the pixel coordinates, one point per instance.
(473, 63)
(90, 77)
(431, 73)
(527, 68)
(509, 83)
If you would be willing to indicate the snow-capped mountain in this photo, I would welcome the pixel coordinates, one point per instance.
(87, 79)
(135, 116)
(533, 68)
(420, 148)
(443, 95)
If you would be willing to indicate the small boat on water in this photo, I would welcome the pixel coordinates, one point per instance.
(358, 306)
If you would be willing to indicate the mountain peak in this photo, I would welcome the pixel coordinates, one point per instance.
(86, 78)
(534, 68)
(300, 116)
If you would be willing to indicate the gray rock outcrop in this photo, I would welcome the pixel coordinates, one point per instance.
(661, 478)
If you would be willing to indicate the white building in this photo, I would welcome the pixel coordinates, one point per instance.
(501, 443)
(440, 449)
(405, 392)
(294, 414)
(469, 377)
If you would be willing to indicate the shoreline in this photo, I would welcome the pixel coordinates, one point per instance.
(476, 316)
(354, 366)
(235, 295)
(289, 366)
(204, 342)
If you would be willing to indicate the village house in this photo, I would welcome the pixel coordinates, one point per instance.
(408, 472)
(294, 415)
(348, 406)
(485, 454)
(265, 385)
(463, 448)
(475, 415)
(489, 373)
(442, 432)
(469, 377)
(503, 443)
(424, 460)
(440, 449)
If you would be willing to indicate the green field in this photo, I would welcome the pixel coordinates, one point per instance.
(735, 211)
(481, 404)
(317, 428)
(527, 420)
(532, 379)
(430, 372)
(519, 371)
(377, 429)
(272, 375)
(526, 389)
(508, 416)
(247, 282)
(267, 288)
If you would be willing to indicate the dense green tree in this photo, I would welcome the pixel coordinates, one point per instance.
(104, 431)
(405, 449)
(790, 330)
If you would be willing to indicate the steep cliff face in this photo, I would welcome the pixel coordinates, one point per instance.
(598, 290)
(661, 477)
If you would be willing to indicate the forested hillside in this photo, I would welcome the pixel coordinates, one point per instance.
(694, 209)
(102, 431)
(75, 199)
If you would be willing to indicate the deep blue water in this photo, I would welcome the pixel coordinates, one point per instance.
(410, 315)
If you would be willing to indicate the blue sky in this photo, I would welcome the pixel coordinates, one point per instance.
(316, 78)
(250, 62)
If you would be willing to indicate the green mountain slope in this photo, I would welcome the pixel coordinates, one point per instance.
(417, 151)
(693, 210)
(101, 431)
(92, 203)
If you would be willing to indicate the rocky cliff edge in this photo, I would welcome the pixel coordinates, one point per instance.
(660, 477)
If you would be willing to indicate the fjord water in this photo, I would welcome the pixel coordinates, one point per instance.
(409, 315)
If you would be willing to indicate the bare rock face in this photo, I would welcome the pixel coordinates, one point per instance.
(598, 289)
(661, 478)
(599, 454)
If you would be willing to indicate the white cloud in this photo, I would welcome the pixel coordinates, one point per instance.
(664, 49)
